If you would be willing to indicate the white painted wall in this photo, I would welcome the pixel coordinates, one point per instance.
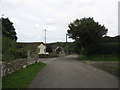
(42, 49)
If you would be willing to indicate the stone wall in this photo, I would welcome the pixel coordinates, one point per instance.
(10, 67)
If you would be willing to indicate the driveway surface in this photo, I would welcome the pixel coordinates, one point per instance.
(68, 72)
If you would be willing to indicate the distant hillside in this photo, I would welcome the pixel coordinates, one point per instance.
(69, 47)
(108, 39)
(34, 44)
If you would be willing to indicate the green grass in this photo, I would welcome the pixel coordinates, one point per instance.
(112, 70)
(99, 58)
(106, 67)
(23, 77)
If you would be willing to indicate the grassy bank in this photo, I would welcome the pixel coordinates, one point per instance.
(107, 63)
(12, 50)
(100, 58)
(23, 77)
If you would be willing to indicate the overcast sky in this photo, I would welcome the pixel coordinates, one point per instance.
(31, 17)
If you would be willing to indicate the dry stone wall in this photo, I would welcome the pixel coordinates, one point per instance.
(10, 67)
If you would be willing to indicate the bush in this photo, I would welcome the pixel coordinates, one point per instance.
(10, 50)
(49, 49)
(99, 57)
(103, 49)
(53, 55)
(23, 54)
(109, 48)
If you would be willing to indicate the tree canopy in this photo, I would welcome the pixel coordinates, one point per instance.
(8, 29)
(49, 49)
(88, 32)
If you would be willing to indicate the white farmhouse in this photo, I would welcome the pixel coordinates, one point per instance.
(42, 49)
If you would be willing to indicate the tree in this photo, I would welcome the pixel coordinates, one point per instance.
(49, 49)
(88, 32)
(78, 46)
(58, 50)
(8, 29)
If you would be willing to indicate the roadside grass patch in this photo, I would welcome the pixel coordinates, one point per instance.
(23, 77)
(106, 65)
(113, 70)
(99, 58)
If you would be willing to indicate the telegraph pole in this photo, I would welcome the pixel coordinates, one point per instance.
(45, 42)
(2, 15)
(66, 44)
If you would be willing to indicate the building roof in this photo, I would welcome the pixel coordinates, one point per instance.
(30, 43)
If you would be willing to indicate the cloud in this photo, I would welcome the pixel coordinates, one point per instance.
(50, 27)
(31, 17)
(51, 21)
(14, 20)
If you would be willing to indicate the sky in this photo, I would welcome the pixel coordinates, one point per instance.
(31, 17)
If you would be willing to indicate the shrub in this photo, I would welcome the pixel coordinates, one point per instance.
(109, 48)
(53, 55)
(10, 50)
(104, 49)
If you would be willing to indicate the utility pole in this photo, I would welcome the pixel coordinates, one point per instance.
(45, 42)
(66, 45)
(2, 15)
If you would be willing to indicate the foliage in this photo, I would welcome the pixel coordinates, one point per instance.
(88, 32)
(27, 48)
(23, 54)
(110, 45)
(8, 29)
(108, 39)
(12, 50)
(23, 77)
(69, 46)
(99, 57)
(49, 49)
(9, 49)
(61, 44)
(58, 50)
(0, 44)
(9, 46)
(77, 46)
(109, 48)
(53, 55)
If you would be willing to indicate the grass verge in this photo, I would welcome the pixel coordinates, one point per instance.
(99, 58)
(110, 67)
(23, 77)
(108, 63)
